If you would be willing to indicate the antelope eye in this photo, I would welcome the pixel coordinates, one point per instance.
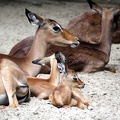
(75, 78)
(56, 29)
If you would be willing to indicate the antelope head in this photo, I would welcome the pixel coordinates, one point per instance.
(57, 55)
(74, 80)
(52, 31)
(110, 12)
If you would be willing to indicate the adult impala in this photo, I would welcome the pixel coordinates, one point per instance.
(48, 32)
(13, 84)
(88, 29)
(89, 57)
(43, 87)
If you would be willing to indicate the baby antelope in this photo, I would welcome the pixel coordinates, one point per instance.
(67, 95)
(42, 88)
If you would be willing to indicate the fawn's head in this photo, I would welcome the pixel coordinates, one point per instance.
(72, 79)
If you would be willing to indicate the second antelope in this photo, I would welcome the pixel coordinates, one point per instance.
(48, 32)
(42, 88)
(88, 29)
(93, 57)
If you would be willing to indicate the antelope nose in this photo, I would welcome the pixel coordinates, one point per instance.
(65, 59)
(78, 41)
(75, 44)
(82, 86)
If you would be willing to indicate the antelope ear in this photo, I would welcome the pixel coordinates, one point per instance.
(95, 7)
(117, 10)
(62, 68)
(33, 18)
(36, 62)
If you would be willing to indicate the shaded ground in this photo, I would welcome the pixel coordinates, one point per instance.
(102, 88)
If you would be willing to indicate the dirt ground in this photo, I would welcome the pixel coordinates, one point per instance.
(102, 88)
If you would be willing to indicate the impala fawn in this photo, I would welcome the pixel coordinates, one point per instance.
(63, 92)
(66, 94)
(42, 88)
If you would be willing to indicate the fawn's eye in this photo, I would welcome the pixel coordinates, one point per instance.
(75, 78)
(56, 28)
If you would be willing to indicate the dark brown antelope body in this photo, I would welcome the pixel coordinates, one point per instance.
(91, 56)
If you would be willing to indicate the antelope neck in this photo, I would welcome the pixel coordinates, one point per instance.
(106, 35)
(54, 74)
(38, 50)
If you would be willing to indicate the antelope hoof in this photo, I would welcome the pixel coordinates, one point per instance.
(66, 106)
(82, 86)
(12, 106)
(90, 108)
(2, 107)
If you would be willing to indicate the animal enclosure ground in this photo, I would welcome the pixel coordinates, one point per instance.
(102, 88)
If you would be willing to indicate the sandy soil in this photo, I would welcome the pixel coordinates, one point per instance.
(102, 88)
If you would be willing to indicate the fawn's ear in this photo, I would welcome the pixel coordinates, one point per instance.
(95, 7)
(33, 18)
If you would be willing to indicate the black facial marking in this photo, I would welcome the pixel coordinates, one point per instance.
(36, 62)
(51, 20)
